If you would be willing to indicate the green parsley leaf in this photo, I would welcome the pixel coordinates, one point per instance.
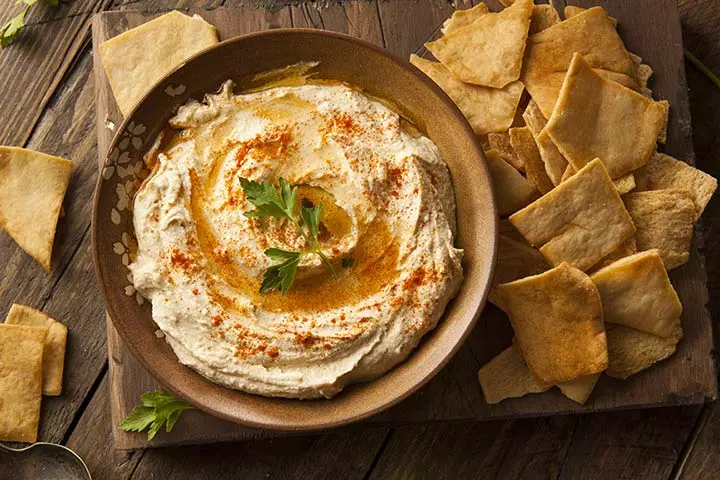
(311, 218)
(347, 262)
(158, 408)
(10, 30)
(280, 276)
(268, 202)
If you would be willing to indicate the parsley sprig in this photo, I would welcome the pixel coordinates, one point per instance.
(10, 31)
(158, 408)
(269, 202)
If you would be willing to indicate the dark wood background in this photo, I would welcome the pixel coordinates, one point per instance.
(47, 103)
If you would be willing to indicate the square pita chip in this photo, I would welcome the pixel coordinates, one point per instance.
(581, 221)
(558, 323)
(136, 60)
(54, 352)
(486, 109)
(21, 351)
(526, 150)
(512, 190)
(623, 184)
(490, 50)
(631, 351)
(32, 188)
(549, 53)
(664, 220)
(598, 118)
(664, 172)
(636, 292)
(507, 376)
(579, 390)
(463, 18)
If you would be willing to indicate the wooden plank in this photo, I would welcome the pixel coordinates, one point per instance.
(358, 19)
(700, 459)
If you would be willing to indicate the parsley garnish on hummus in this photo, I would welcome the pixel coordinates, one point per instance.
(269, 202)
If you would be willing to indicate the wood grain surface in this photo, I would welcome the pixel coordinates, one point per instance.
(59, 116)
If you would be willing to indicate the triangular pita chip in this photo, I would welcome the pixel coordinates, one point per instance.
(663, 172)
(516, 260)
(597, 118)
(579, 390)
(500, 142)
(526, 150)
(490, 50)
(557, 318)
(512, 190)
(486, 109)
(581, 221)
(21, 351)
(636, 292)
(463, 18)
(136, 60)
(507, 376)
(54, 352)
(32, 187)
(664, 220)
(630, 350)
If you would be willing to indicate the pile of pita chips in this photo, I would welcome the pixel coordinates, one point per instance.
(32, 355)
(595, 215)
(32, 188)
(133, 68)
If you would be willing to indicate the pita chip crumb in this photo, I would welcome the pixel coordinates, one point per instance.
(507, 376)
(631, 351)
(636, 292)
(558, 323)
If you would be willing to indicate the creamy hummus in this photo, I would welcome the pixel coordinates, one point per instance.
(388, 209)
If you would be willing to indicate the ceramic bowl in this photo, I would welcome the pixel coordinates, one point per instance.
(340, 57)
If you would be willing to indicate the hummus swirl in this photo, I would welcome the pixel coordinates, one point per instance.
(388, 226)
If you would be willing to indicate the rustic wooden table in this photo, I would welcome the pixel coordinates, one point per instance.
(47, 103)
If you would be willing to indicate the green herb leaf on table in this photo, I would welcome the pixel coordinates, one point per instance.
(10, 31)
(158, 408)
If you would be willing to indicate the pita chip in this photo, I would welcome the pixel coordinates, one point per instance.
(463, 18)
(32, 187)
(579, 390)
(572, 10)
(501, 143)
(516, 259)
(21, 351)
(512, 190)
(507, 376)
(54, 351)
(490, 50)
(625, 250)
(631, 351)
(526, 150)
(597, 118)
(555, 162)
(581, 221)
(133, 69)
(667, 173)
(486, 109)
(558, 323)
(543, 17)
(534, 118)
(664, 220)
(623, 184)
(636, 292)
(643, 73)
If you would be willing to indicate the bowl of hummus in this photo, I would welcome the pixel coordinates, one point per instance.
(294, 230)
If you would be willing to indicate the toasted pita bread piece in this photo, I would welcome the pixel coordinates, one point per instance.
(54, 352)
(543, 17)
(32, 187)
(507, 376)
(21, 351)
(534, 118)
(555, 162)
(664, 220)
(664, 172)
(526, 150)
(572, 10)
(463, 18)
(512, 190)
(516, 259)
(636, 292)
(501, 143)
(581, 221)
(490, 50)
(550, 52)
(625, 250)
(557, 317)
(597, 118)
(486, 109)
(631, 351)
(569, 172)
(623, 184)
(133, 68)
(579, 390)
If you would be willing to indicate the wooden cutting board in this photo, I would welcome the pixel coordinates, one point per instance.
(650, 28)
